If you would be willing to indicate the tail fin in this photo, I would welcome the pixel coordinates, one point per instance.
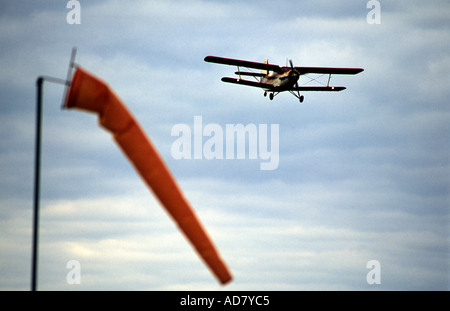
(265, 72)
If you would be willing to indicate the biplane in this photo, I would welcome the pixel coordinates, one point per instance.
(274, 79)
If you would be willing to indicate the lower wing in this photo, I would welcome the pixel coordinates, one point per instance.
(318, 88)
(270, 87)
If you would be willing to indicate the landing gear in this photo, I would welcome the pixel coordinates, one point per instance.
(271, 95)
(301, 98)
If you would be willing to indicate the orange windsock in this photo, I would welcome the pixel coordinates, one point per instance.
(89, 93)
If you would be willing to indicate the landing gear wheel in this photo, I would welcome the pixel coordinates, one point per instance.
(271, 96)
(301, 98)
(265, 94)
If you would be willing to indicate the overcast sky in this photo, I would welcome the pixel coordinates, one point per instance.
(363, 174)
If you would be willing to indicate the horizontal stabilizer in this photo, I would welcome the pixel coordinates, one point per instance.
(248, 83)
(250, 74)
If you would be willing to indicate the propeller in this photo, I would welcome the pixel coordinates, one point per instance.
(293, 70)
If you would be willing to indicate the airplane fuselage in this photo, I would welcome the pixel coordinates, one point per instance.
(285, 80)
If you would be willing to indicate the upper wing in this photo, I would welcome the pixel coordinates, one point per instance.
(329, 70)
(242, 63)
